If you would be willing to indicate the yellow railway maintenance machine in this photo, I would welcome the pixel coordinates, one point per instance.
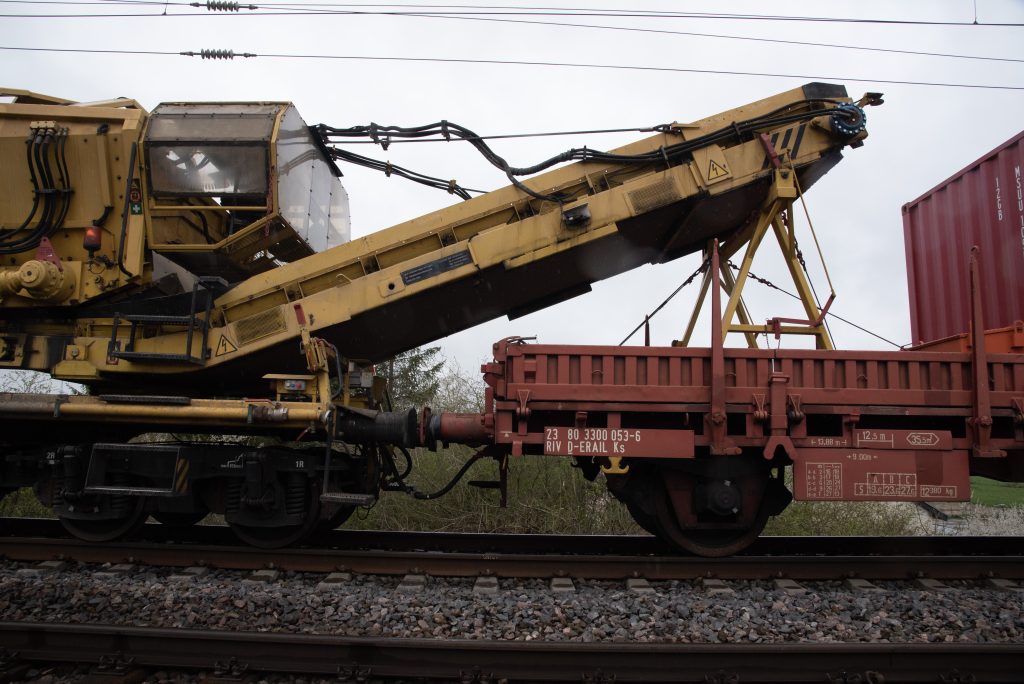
(193, 268)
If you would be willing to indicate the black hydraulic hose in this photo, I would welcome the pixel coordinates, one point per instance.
(390, 169)
(337, 369)
(408, 463)
(45, 187)
(672, 153)
(400, 478)
(30, 144)
(40, 155)
(65, 179)
(454, 481)
(327, 456)
(60, 193)
(103, 217)
(205, 224)
(126, 211)
(46, 173)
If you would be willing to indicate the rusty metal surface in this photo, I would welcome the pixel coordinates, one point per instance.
(858, 425)
(867, 475)
(480, 660)
(1008, 340)
(983, 205)
(681, 375)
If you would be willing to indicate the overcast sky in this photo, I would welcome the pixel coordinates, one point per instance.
(922, 134)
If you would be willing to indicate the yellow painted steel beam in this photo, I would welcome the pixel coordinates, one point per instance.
(758, 329)
(729, 285)
(775, 215)
(787, 241)
(496, 254)
(212, 412)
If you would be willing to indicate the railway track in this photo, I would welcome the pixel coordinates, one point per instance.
(129, 654)
(525, 556)
(124, 652)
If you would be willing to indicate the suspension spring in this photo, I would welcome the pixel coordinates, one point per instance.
(119, 504)
(232, 495)
(296, 488)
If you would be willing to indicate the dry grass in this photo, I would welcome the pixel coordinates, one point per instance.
(546, 495)
(971, 519)
(992, 520)
(845, 518)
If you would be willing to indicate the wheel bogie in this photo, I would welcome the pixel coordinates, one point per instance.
(705, 506)
(269, 495)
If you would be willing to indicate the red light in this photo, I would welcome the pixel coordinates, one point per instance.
(93, 239)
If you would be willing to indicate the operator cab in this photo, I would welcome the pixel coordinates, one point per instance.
(235, 189)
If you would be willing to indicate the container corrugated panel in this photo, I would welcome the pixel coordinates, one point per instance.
(981, 205)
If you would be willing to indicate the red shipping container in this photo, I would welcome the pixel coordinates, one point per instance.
(981, 205)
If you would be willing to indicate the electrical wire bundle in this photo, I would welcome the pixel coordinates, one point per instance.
(390, 169)
(670, 155)
(51, 184)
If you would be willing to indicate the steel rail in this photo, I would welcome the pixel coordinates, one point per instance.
(522, 565)
(516, 660)
(592, 544)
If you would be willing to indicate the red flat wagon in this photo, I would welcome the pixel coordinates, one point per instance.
(697, 442)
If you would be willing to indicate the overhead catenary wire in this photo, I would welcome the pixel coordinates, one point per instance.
(623, 13)
(294, 9)
(721, 36)
(571, 65)
(215, 7)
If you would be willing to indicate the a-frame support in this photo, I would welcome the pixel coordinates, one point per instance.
(775, 215)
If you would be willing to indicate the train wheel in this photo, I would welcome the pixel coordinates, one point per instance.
(106, 530)
(335, 519)
(279, 536)
(175, 519)
(635, 491)
(711, 535)
(645, 520)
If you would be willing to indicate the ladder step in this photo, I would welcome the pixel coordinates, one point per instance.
(348, 498)
(130, 491)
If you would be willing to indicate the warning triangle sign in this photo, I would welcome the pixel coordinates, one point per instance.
(716, 170)
(225, 346)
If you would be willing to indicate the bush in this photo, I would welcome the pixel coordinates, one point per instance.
(546, 496)
(23, 504)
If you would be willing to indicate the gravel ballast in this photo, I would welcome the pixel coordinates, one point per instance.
(448, 608)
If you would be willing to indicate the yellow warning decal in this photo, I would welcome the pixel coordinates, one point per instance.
(716, 170)
(225, 346)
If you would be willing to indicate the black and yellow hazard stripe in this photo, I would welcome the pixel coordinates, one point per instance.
(181, 475)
